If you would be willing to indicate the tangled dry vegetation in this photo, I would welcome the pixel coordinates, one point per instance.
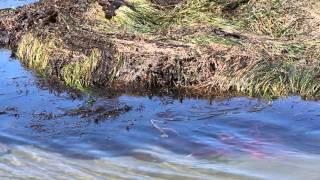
(256, 47)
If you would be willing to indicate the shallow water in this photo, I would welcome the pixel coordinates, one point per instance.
(46, 134)
(160, 137)
(14, 3)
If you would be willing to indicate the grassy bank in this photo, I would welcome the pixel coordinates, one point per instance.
(256, 47)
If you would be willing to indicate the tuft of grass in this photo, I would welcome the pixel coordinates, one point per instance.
(35, 53)
(282, 78)
(79, 74)
(274, 18)
(146, 17)
(277, 18)
(143, 18)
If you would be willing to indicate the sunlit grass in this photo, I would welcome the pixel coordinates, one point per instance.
(281, 78)
(146, 17)
(277, 18)
(79, 74)
(35, 53)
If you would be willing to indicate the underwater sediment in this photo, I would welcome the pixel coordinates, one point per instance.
(255, 47)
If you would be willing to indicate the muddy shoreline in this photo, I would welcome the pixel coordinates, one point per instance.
(82, 43)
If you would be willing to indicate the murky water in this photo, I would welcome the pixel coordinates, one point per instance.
(45, 134)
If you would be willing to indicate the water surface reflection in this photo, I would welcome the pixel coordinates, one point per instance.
(54, 135)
